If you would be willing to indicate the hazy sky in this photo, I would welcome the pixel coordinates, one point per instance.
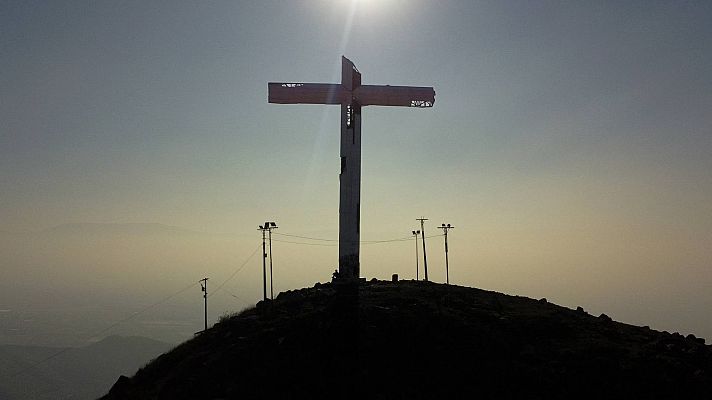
(570, 144)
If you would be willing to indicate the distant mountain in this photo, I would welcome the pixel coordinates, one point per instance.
(419, 340)
(117, 229)
(76, 373)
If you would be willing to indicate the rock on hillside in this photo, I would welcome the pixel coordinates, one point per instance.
(418, 340)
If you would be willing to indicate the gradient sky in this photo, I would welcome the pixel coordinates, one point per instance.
(570, 144)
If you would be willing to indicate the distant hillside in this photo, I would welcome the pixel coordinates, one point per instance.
(77, 373)
(418, 340)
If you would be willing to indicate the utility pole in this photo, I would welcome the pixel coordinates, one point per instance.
(264, 263)
(415, 234)
(446, 228)
(425, 255)
(269, 226)
(204, 288)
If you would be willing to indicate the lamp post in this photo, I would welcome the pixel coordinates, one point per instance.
(204, 289)
(270, 226)
(415, 234)
(425, 255)
(267, 227)
(264, 229)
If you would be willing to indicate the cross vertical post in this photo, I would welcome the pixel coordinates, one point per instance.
(350, 176)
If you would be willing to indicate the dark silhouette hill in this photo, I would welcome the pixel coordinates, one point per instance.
(418, 340)
(34, 372)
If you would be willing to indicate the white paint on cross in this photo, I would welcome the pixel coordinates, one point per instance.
(351, 95)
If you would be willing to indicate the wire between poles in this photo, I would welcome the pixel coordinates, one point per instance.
(305, 243)
(236, 271)
(402, 239)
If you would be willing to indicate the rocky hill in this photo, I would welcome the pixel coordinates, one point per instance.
(419, 340)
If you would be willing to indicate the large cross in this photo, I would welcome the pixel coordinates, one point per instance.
(351, 95)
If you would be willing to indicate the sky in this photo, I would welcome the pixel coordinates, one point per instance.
(570, 145)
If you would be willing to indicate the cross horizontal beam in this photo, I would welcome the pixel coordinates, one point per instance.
(365, 95)
(397, 96)
(307, 93)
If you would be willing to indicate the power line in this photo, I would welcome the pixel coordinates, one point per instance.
(337, 240)
(234, 295)
(236, 271)
(308, 244)
(401, 239)
(336, 244)
(306, 237)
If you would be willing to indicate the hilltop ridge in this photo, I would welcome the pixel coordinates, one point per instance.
(422, 340)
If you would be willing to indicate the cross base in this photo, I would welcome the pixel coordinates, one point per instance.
(349, 267)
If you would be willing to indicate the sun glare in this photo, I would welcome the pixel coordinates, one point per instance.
(373, 7)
